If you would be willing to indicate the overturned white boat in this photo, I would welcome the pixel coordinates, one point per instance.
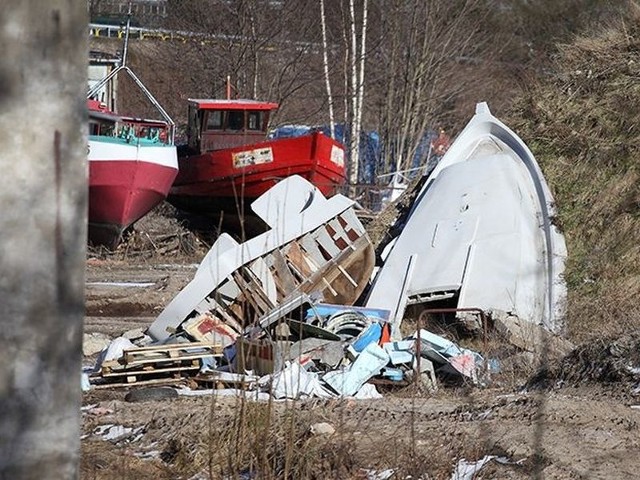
(315, 246)
(480, 234)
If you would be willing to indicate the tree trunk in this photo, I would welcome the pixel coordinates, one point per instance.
(43, 82)
(357, 89)
(325, 62)
(360, 91)
(354, 143)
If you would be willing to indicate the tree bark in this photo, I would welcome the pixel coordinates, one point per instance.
(43, 82)
(325, 63)
(357, 88)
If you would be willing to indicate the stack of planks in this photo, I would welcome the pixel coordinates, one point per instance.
(158, 364)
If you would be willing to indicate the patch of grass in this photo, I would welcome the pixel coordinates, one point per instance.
(582, 125)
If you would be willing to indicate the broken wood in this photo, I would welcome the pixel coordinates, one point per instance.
(171, 361)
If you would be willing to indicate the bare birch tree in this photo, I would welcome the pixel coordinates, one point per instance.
(357, 66)
(427, 51)
(271, 51)
(325, 64)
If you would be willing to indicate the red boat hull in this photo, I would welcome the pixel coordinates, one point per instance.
(227, 181)
(120, 193)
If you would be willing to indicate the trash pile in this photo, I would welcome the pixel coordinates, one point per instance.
(307, 350)
(298, 346)
(302, 310)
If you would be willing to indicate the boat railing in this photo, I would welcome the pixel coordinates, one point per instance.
(93, 91)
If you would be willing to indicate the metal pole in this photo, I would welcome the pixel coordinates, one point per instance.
(126, 37)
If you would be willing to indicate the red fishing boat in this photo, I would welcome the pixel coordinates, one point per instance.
(132, 164)
(228, 161)
(132, 161)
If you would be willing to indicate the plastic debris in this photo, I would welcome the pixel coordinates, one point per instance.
(347, 382)
(322, 428)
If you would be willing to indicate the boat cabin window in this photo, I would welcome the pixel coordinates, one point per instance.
(214, 120)
(254, 121)
(235, 120)
(101, 128)
(224, 121)
(157, 134)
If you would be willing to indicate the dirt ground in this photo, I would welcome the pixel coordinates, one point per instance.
(571, 430)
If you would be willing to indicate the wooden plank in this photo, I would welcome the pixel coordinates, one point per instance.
(124, 373)
(251, 295)
(297, 258)
(175, 346)
(151, 361)
(349, 278)
(154, 381)
(287, 282)
(160, 353)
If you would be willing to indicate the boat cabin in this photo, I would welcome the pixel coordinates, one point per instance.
(102, 121)
(105, 123)
(220, 124)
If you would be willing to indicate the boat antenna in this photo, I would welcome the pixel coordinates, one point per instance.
(126, 37)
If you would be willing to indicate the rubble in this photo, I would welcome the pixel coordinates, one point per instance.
(118, 433)
(530, 337)
(369, 363)
(295, 313)
(315, 246)
(466, 470)
(93, 343)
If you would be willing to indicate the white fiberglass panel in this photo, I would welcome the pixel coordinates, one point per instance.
(295, 198)
(470, 203)
(482, 225)
(226, 255)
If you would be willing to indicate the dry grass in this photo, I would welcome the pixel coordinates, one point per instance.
(274, 441)
(583, 126)
(155, 237)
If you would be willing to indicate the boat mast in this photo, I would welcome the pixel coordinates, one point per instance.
(123, 60)
(126, 38)
(134, 77)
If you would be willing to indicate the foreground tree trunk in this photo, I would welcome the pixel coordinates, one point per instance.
(43, 81)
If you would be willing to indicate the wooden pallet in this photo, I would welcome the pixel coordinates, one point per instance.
(139, 383)
(145, 364)
(178, 351)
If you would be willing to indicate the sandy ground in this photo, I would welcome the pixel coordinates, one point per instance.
(578, 431)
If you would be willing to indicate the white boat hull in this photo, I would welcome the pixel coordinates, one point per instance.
(481, 230)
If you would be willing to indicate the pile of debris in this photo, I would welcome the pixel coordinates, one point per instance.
(302, 309)
(607, 361)
(159, 233)
(305, 350)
